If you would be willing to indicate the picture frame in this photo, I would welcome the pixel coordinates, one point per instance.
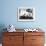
(26, 14)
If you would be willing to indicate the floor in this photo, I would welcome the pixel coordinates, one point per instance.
(0, 44)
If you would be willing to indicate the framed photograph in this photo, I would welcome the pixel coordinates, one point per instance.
(26, 14)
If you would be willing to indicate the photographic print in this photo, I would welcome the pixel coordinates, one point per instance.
(26, 14)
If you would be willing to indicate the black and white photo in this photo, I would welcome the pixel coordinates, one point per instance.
(26, 14)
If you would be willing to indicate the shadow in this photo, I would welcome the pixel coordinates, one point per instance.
(2, 27)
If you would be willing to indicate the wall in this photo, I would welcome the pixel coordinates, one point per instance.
(8, 13)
